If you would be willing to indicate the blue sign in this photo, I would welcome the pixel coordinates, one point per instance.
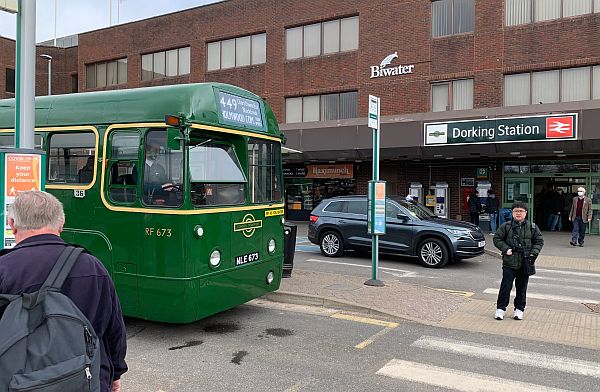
(240, 111)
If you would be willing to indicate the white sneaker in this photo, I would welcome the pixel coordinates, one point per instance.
(499, 314)
(518, 314)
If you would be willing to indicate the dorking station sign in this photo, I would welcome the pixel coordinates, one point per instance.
(502, 130)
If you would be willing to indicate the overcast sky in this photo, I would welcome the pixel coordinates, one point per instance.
(77, 16)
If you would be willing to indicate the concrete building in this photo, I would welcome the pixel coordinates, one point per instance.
(474, 94)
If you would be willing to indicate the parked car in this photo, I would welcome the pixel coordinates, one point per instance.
(340, 224)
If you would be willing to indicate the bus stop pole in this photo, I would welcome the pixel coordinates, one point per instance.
(374, 111)
(25, 75)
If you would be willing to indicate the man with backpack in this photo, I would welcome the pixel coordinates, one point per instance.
(520, 242)
(38, 290)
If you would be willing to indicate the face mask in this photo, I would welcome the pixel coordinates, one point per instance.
(580, 193)
(493, 196)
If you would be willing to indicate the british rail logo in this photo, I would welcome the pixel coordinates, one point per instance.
(248, 225)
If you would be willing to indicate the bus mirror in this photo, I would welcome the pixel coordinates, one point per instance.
(174, 139)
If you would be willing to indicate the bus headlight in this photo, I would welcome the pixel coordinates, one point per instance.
(270, 277)
(198, 231)
(271, 246)
(215, 258)
(282, 220)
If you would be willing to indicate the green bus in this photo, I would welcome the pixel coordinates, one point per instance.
(178, 190)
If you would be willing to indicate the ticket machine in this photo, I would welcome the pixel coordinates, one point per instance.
(440, 191)
(416, 191)
(482, 192)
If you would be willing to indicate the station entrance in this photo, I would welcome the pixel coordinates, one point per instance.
(549, 187)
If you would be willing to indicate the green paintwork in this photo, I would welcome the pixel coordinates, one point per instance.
(159, 266)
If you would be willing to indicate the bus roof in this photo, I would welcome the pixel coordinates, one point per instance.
(199, 103)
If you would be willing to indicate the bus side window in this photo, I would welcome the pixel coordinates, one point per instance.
(123, 174)
(68, 156)
(123, 187)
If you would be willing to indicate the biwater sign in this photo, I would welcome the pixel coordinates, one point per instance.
(555, 127)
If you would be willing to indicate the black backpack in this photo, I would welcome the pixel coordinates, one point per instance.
(46, 343)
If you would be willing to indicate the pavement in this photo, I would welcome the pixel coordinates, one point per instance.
(452, 309)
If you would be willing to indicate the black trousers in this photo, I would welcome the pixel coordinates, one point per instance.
(508, 276)
(475, 218)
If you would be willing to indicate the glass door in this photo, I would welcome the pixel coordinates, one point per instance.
(517, 189)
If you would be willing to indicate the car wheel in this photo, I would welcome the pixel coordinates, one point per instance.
(432, 253)
(332, 244)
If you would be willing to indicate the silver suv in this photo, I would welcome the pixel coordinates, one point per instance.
(340, 223)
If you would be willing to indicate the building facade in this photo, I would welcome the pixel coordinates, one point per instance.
(474, 93)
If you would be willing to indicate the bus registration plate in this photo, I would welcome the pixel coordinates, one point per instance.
(247, 258)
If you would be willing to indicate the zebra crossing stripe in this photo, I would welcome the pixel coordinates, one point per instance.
(457, 380)
(518, 357)
(549, 297)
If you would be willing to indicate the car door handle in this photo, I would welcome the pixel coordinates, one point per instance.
(341, 221)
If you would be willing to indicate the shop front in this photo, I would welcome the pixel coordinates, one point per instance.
(307, 185)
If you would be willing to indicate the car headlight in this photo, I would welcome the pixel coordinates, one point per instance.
(271, 245)
(460, 232)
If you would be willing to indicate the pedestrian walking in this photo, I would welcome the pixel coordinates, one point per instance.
(36, 219)
(493, 206)
(474, 207)
(580, 215)
(520, 242)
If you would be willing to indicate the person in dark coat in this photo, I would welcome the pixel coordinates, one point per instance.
(493, 206)
(36, 219)
(474, 207)
(516, 239)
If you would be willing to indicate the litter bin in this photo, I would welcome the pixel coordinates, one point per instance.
(289, 248)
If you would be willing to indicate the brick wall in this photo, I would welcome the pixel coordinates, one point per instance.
(386, 26)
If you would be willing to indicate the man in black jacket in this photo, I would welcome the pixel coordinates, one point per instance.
(36, 219)
(493, 206)
(474, 207)
(519, 241)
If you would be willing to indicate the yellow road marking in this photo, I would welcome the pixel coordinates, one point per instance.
(372, 338)
(364, 320)
(457, 292)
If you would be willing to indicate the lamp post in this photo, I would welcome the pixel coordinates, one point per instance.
(49, 58)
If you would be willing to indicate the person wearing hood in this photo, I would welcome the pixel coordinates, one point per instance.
(580, 215)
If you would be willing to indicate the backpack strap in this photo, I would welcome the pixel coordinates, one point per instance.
(62, 268)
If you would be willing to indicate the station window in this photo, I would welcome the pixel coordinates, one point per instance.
(452, 17)
(165, 64)
(565, 85)
(71, 158)
(339, 35)
(325, 107)
(264, 162)
(528, 11)
(10, 80)
(452, 95)
(108, 73)
(236, 52)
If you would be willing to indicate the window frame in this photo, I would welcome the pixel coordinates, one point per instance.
(106, 64)
(320, 110)
(594, 6)
(13, 85)
(148, 75)
(252, 39)
(133, 161)
(451, 25)
(450, 94)
(340, 22)
(560, 91)
(67, 173)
